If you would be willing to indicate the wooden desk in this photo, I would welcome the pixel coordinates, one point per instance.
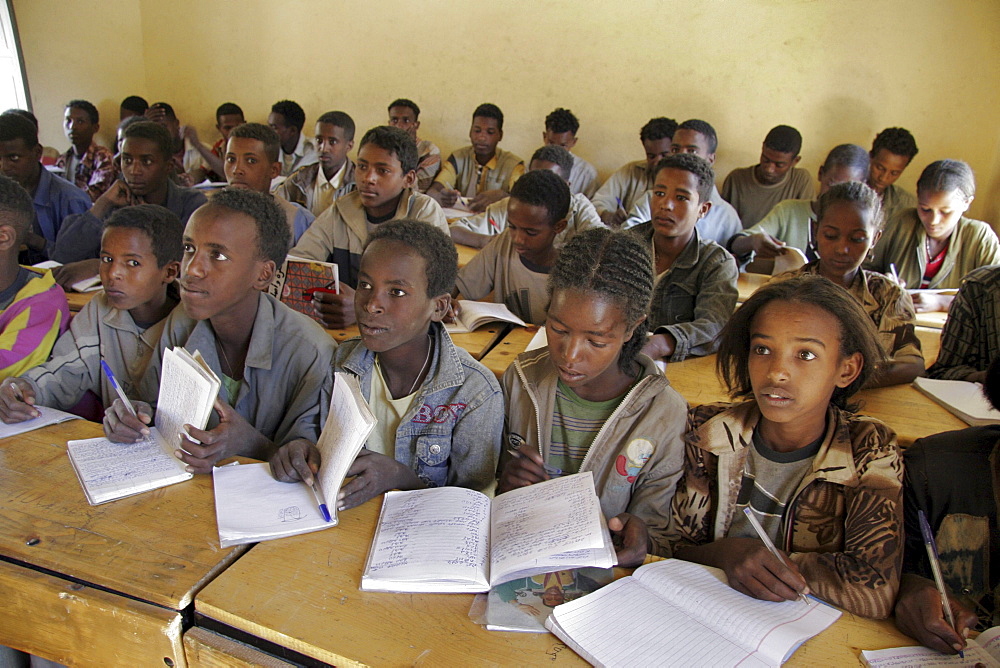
(747, 284)
(930, 343)
(512, 345)
(477, 343)
(465, 254)
(98, 585)
(77, 300)
(303, 594)
(933, 320)
(910, 413)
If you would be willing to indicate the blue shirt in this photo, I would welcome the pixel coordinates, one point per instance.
(55, 199)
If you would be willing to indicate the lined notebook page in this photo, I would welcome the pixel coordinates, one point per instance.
(111, 471)
(347, 427)
(523, 537)
(48, 416)
(430, 534)
(186, 397)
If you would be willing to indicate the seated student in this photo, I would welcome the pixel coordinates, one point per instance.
(318, 185)
(970, 339)
(721, 222)
(934, 246)
(287, 119)
(477, 231)
(514, 267)
(892, 152)
(440, 412)
(273, 362)
(695, 277)
(826, 484)
(953, 478)
(593, 399)
(186, 158)
(141, 250)
(385, 173)
(755, 190)
(89, 166)
(482, 172)
(252, 161)
(632, 181)
(146, 162)
(227, 117)
(49, 154)
(849, 223)
(55, 199)
(789, 223)
(33, 310)
(133, 105)
(405, 114)
(561, 127)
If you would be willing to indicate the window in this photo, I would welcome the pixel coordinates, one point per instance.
(13, 83)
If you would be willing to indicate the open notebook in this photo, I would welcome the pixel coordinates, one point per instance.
(110, 471)
(251, 506)
(963, 399)
(474, 315)
(983, 651)
(48, 416)
(450, 539)
(688, 613)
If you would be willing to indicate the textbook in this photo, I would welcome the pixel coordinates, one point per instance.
(48, 416)
(983, 651)
(297, 279)
(476, 314)
(455, 540)
(251, 506)
(92, 284)
(686, 612)
(963, 399)
(110, 471)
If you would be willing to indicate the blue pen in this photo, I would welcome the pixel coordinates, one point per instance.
(320, 501)
(932, 556)
(118, 388)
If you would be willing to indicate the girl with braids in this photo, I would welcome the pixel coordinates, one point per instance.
(934, 245)
(825, 484)
(591, 401)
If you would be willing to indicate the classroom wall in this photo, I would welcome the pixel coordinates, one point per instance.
(838, 71)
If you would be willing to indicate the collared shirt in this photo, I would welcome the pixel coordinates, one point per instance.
(720, 224)
(93, 172)
(970, 339)
(500, 270)
(285, 393)
(300, 189)
(55, 200)
(428, 164)
(493, 220)
(304, 154)
(623, 188)
(324, 189)
(583, 178)
(463, 172)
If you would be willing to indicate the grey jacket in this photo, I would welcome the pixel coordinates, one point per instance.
(637, 456)
(451, 434)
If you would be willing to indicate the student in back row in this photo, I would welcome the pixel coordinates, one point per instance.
(721, 222)
(892, 152)
(753, 191)
(273, 362)
(287, 119)
(479, 230)
(385, 174)
(405, 115)
(481, 172)
(316, 186)
(629, 184)
(141, 251)
(440, 413)
(561, 127)
(227, 117)
(90, 166)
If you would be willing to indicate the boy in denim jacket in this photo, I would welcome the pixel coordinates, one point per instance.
(440, 413)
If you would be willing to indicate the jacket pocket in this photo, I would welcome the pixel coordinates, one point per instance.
(674, 304)
(433, 455)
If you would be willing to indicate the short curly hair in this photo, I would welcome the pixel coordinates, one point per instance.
(489, 110)
(784, 139)
(262, 133)
(555, 154)
(341, 120)
(436, 247)
(850, 156)
(612, 265)
(562, 120)
(395, 141)
(658, 128)
(87, 108)
(703, 128)
(546, 189)
(273, 235)
(151, 131)
(857, 333)
(291, 111)
(857, 193)
(897, 141)
(698, 166)
(161, 225)
(16, 207)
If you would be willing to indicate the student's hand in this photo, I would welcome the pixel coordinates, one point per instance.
(750, 567)
(766, 246)
(660, 346)
(184, 179)
(74, 272)
(454, 310)
(336, 311)
(614, 219)
(448, 197)
(115, 197)
(231, 436)
(17, 401)
(121, 426)
(928, 302)
(919, 614)
(374, 474)
(526, 467)
(156, 114)
(485, 198)
(630, 538)
(296, 460)
(190, 133)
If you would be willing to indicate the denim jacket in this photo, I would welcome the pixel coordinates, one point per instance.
(695, 297)
(451, 433)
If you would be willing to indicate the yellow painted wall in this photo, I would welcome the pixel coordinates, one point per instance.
(838, 71)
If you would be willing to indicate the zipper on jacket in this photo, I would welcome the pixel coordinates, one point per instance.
(534, 402)
(604, 427)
